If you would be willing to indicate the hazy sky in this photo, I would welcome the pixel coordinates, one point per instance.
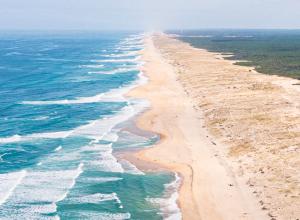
(148, 14)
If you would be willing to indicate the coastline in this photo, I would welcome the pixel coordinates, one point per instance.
(255, 118)
(209, 190)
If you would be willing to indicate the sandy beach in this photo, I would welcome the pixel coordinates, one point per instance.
(222, 130)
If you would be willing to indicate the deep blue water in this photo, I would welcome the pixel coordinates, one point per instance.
(62, 116)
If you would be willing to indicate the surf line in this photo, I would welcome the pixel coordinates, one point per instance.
(14, 179)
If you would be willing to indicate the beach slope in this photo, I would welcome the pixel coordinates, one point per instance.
(209, 188)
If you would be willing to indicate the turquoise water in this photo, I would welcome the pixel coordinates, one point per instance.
(62, 115)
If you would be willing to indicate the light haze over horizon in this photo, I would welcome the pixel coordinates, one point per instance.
(148, 14)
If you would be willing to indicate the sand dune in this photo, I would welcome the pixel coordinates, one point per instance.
(233, 134)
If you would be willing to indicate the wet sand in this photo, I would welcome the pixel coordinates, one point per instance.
(255, 118)
(211, 188)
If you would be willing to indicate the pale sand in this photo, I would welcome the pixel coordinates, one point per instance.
(210, 188)
(255, 117)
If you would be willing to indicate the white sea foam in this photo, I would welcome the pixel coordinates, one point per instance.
(238, 36)
(96, 157)
(95, 129)
(8, 183)
(58, 148)
(95, 198)
(115, 71)
(34, 212)
(13, 53)
(53, 59)
(168, 203)
(110, 137)
(79, 170)
(103, 216)
(66, 158)
(114, 95)
(91, 129)
(137, 42)
(92, 66)
(101, 179)
(39, 192)
(41, 118)
(103, 159)
(132, 60)
(11, 139)
(100, 157)
(130, 168)
(129, 48)
(98, 128)
(81, 100)
(46, 135)
(126, 54)
(46, 186)
(50, 135)
(2, 155)
(132, 43)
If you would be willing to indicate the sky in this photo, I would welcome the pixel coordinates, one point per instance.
(148, 14)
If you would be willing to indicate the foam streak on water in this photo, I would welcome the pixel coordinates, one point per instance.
(39, 192)
(8, 182)
(101, 158)
(132, 60)
(115, 71)
(168, 203)
(127, 54)
(73, 173)
(114, 95)
(95, 129)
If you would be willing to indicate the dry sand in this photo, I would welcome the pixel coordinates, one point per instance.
(232, 134)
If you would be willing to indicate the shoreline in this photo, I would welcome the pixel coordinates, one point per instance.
(203, 194)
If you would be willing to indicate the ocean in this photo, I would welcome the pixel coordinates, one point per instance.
(63, 114)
